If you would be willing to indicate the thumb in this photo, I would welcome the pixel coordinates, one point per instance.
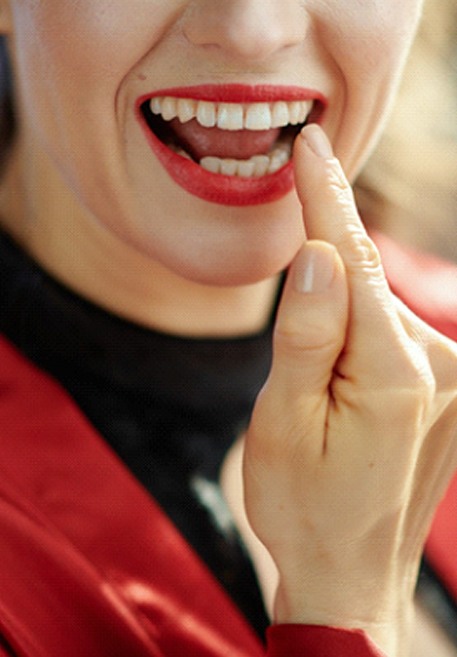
(311, 325)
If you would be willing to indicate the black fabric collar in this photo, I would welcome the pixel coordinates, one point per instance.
(50, 323)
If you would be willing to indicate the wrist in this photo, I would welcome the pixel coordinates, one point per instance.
(386, 618)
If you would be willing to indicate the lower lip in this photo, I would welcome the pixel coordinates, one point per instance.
(217, 188)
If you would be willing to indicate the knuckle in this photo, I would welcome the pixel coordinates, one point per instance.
(435, 349)
(361, 253)
(338, 184)
(293, 341)
(420, 386)
(417, 371)
(355, 243)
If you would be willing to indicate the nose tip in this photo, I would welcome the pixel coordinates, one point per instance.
(250, 30)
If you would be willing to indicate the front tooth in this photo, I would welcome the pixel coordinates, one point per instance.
(280, 115)
(246, 168)
(212, 164)
(229, 167)
(258, 117)
(169, 109)
(206, 114)
(186, 109)
(230, 116)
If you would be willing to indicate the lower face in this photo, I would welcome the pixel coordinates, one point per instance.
(171, 122)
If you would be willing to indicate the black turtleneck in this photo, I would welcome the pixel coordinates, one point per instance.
(170, 407)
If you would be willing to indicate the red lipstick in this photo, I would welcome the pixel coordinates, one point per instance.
(219, 188)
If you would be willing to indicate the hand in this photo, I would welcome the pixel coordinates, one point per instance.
(354, 437)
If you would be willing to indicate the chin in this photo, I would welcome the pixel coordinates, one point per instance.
(212, 245)
(238, 265)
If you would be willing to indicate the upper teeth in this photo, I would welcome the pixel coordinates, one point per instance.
(233, 116)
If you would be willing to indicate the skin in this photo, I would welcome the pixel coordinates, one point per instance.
(347, 454)
(81, 66)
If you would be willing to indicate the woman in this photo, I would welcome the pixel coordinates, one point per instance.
(152, 192)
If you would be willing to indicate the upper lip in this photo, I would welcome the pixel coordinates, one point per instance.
(239, 93)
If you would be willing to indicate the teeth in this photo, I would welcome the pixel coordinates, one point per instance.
(169, 109)
(237, 116)
(156, 105)
(187, 109)
(296, 112)
(233, 116)
(226, 167)
(280, 115)
(258, 117)
(246, 168)
(262, 164)
(256, 166)
(206, 114)
(214, 164)
(278, 159)
(230, 116)
(183, 153)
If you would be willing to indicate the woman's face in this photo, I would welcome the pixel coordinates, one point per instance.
(171, 121)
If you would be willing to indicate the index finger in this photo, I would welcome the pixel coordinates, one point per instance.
(330, 214)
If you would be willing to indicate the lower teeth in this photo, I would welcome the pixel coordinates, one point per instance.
(255, 167)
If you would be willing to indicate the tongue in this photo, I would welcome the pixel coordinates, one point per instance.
(238, 144)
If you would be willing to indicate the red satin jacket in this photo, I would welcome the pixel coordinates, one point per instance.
(89, 564)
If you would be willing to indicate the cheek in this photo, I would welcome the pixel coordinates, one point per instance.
(103, 37)
(73, 60)
(368, 41)
(368, 38)
(70, 52)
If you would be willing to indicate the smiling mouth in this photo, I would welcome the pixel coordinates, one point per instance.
(244, 140)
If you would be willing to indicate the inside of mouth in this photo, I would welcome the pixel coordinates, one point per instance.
(197, 142)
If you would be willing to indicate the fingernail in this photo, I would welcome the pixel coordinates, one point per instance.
(314, 270)
(317, 141)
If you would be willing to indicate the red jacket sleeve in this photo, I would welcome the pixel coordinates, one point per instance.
(318, 641)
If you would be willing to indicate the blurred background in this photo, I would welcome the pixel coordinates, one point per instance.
(409, 188)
